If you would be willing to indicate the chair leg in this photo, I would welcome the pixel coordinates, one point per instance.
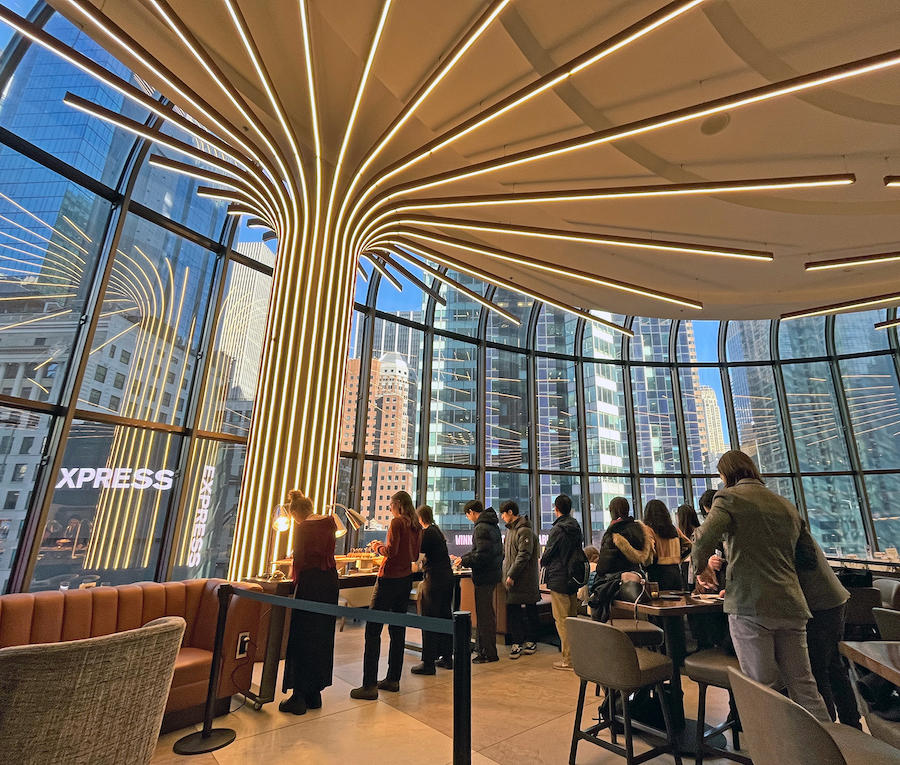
(629, 740)
(670, 733)
(736, 722)
(701, 720)
(578, 715)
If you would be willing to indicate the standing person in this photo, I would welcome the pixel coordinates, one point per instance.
(671, 546)
(688, 524)
(564, 539)
(767, 612)
(827, 600)
(486, 561)
(521, 574)
(309, 660)
(436, 595)
(391, 594)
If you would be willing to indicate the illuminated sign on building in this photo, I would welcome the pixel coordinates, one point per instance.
(115, 478)
(199, 529)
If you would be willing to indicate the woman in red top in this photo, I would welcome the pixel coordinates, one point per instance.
(391, 594)
(310, 653)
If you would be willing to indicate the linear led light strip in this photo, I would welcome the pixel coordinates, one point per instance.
(413, 278)
(428, 252)
(44, 223)
(383, 271)
(835, 307)
(860, 260)
(892, 180)
(393, 247)
(745, 98)
(551, 80)
(237, 196)
(888, 324)
(576, 236)
(571, 273)
(629, 192)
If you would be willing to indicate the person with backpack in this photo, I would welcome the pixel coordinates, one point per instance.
(563, 556)
(486, 561)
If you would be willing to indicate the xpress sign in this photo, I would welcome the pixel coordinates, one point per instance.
(115, 478)
(199, 529)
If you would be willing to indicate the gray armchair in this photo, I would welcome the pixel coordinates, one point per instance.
(98, 701)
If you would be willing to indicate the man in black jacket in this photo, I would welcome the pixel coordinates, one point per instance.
(486, 561)
(564, 539)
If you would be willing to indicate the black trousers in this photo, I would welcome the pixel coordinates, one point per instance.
(437, 600)
(823, 633)
(522, 619)
(486, 631)
(389, 595)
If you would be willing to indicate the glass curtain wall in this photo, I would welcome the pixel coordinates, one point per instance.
(131, 326)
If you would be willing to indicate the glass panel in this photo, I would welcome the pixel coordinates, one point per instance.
(606, 421)
(873, 398)
(233, 366)
(448, 491)
(834, 516)
(556, 331)
(602, 491)
(501, 330)
(361, 292)
(748, 341)
(706, 426)
(856, 333)
(654, 420)
(174, 195)
(600, 342)
(408, 304)
(381, 480)
(651, 339)
(153, 314)
(22, 438)
(248, 243)
(207, 529)
(49, 235)
(551, 486)
(802, 338)
(111, 499)
(760, 432)
(453, 401)
(884, 499)
(700, 485)
(506, 416)
(20, 7)
(392, 420)
(352, 394)
(32, 106)
(557, 425)
(816, 422)
(697, 341)
(782, 486)
(500, 487)
(668, 490)
(461, 314)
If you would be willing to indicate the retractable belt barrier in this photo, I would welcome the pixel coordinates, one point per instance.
(210, 739)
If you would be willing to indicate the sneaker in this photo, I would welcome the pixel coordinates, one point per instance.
(389, 685)
(444, 663)
(423, 669)
(564, 665)
(481, 659)
(515, 652)
(369, 693)
(529, 648)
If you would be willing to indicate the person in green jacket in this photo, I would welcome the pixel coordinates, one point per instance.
(767, 612)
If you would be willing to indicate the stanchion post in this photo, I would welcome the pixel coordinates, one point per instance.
(209, 739)
(462, 688)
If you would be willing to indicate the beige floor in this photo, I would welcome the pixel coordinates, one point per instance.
(522, 714)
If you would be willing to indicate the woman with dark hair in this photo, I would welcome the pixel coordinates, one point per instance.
(767, 612)
(688, 524)
(391, 593)
(309, 660)
(627, 544)
(670, 547)
(436, 594)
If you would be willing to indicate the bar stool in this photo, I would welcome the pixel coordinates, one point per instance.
(710, 667)
(604, 655)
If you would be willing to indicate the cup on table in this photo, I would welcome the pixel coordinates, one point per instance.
(63, 586)
(653, 590)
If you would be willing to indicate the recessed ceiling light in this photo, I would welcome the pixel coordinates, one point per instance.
(715, 123)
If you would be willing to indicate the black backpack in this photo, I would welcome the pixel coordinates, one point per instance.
(578, 569)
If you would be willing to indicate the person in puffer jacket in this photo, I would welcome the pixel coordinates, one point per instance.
(626, 545)
(486, 561)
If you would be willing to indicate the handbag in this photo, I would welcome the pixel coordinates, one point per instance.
(686, 546)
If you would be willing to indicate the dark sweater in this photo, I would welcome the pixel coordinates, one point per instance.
(437, 559)
(486, 556)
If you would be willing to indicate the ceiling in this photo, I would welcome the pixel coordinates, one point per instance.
(716, 49)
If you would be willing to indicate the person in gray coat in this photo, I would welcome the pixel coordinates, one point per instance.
(520, 574)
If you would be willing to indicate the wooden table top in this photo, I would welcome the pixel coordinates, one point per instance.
(684, 604)
(879, 656)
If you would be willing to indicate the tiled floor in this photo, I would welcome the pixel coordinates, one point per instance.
(522, 714)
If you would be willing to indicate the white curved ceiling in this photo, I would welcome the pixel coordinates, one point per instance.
(716, 49)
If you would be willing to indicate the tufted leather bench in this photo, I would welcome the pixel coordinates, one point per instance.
(49, 617)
